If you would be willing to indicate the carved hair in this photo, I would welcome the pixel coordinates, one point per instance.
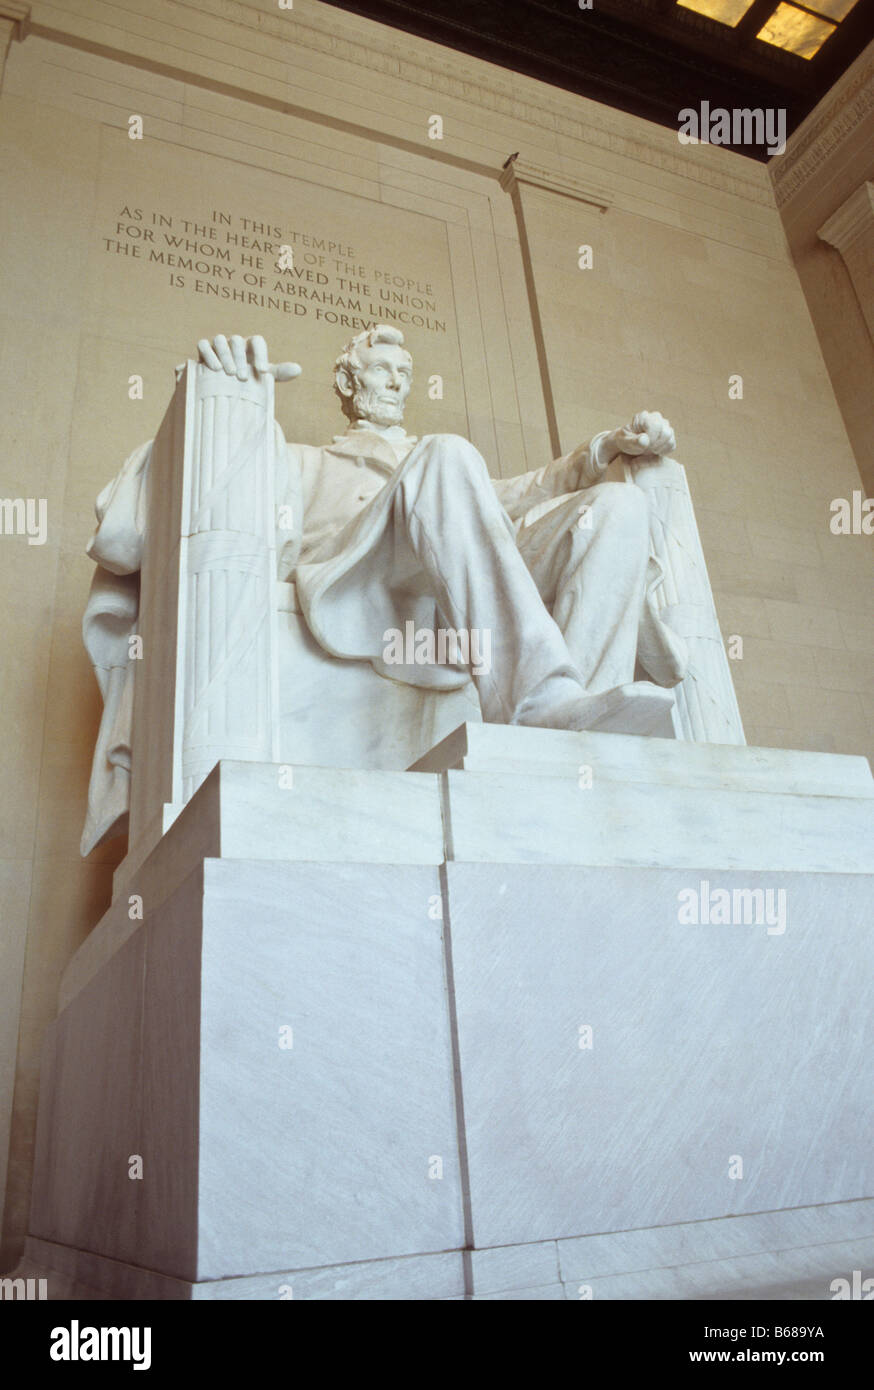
(348, 363)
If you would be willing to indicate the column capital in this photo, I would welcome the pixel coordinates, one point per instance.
(517, 171)
(852, 220)
(851, 231)
(18, 13)
(14, 24)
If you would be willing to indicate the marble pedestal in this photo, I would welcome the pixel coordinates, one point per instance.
(446, 1033)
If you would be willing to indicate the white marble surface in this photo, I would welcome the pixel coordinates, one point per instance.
(527, 819)
(168, 1080)
(329, 815)
(138, 851)
(729, 1238)
(709, 1041)
(90, 1114)
(245, 811)
(651, 801)
(797, 1275)
(791, 1255)
(73, 1273)
(258, 1157)
(514, 1267)
(541, 1293)
(413, 1278)
(666, 762)
(270, 905)
(374, 722)
(327, 1157)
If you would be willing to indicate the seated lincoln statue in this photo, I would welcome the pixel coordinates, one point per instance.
(554, 565)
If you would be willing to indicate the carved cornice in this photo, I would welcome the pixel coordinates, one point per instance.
(426, 66)
(518, 171)
(853, 219)
(377, 48)
(847, 105)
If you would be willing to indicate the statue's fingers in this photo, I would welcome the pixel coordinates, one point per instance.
(285, 371)
(665, 441)
(635, 441)
(224, 354)
(260, 360)
(238, 352)
(207, 355)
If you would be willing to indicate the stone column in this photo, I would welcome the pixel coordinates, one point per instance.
(851, 231)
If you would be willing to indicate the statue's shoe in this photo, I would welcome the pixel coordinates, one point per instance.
(638, 708)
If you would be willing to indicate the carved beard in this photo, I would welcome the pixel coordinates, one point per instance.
(375, 408)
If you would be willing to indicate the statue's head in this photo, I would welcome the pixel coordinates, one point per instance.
(373, 375)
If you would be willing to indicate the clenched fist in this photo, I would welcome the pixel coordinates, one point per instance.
(650, 433)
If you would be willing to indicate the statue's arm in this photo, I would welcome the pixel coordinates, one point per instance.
(650, 433)
(580, 468)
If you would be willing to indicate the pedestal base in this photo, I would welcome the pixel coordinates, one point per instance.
(455, 1033)
(783, 1255)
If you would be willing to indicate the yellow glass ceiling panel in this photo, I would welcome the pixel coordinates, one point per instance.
(727, 11)
(835, 9)
(796, 31)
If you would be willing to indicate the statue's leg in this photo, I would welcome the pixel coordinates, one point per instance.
(459, 535)
(588, 556)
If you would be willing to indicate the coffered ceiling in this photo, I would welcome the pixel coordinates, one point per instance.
(654, 57)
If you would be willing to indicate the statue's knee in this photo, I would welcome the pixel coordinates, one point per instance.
(453, 454)
(457, 446)
(621, 502)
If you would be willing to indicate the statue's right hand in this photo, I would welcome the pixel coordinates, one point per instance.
(238, 356)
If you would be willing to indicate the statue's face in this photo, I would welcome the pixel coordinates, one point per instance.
(382, 384)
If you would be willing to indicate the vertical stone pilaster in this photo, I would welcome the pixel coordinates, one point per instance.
(706, 708)
(14, 23)
(518, 176)
(850, 230)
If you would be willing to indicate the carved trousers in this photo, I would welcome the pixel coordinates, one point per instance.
(561, 596)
